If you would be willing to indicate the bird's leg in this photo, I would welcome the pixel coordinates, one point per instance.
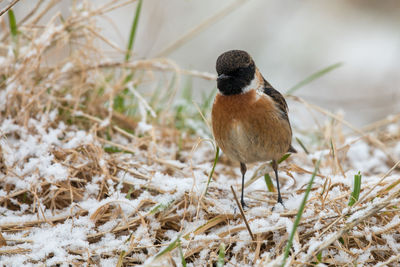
(243, 169)
(275, 167)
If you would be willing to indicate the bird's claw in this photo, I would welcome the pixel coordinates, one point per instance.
(243, 204)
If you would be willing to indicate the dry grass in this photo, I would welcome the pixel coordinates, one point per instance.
(58, 77)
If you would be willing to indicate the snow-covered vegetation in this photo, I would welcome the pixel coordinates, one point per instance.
(101, 163)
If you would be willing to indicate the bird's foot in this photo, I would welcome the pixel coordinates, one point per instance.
(280, 201)
(243, 204)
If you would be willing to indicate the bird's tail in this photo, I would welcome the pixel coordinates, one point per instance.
(292, 149)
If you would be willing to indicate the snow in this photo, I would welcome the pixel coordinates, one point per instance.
(45, 38)
(64, 199)
(67, 67)
(342, 257)
(365, 159)
(77, 139)
(30, 152)
(143, 127)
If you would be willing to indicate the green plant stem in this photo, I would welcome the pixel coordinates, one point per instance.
(267, 177)
(269, 183)
(13, 31)
(356, 190)
(221, 255)
(299, 214)
(169, 248)
(133, 30)
(302, 145)
(213, 168)
(285, 157)
(183, 261)
(313, 77)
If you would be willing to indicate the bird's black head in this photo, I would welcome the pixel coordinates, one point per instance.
(235, 70)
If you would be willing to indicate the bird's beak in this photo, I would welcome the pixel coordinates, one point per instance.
(222, 77)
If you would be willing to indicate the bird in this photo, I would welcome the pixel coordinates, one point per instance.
(249, 117)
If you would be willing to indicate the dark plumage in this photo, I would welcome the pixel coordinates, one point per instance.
(235, 70)
(231, 60)
(249, 117)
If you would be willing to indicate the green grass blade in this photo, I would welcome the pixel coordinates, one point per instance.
(183, 261)
(267, 177)
(221, 255)
(121, 259)
(160, 207)
(112, 149)
(170, 247)
(332, 148)
(13, 23)
(187, 91)
(285, 157)
(213, 168)
(356, 190)
(207, 101)
(269, 183)
(133, 30)
(319, 257)
(13, 31)
(130, 191)
(313, 77)
(119, 101)
(302, 145)
(299, 214)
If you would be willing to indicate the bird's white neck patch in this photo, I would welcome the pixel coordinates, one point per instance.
(254, 85)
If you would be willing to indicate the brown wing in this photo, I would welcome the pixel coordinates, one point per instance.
(281, 103)
(277, 97)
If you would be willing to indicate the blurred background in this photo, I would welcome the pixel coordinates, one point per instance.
(289, 41)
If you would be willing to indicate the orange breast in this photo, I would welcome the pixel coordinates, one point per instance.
(249, 127)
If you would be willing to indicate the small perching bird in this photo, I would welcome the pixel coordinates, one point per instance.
(249, 117)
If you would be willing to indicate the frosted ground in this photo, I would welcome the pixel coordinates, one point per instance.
(65, 200)
(86, 180)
